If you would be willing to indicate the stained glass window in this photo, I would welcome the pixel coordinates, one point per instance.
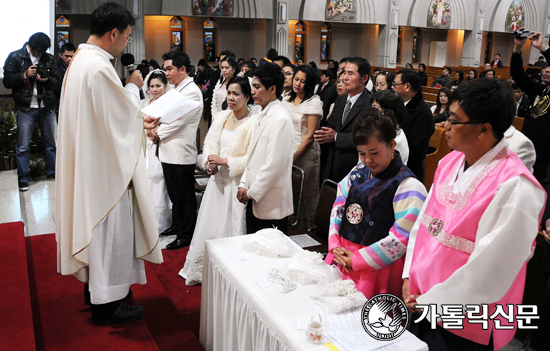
(300, 41)
(326, 42)
(210, 37)
(177, 27)
(62, 21)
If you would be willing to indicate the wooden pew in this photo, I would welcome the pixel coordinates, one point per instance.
(438, 142)
(518, 123)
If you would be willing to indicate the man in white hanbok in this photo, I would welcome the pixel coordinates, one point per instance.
(105, 215)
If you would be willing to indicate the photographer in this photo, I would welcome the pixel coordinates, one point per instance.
(537, 122)
(31, 74)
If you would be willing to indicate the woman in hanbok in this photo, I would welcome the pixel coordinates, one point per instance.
(306, 109)
(228, 66)
(157, 85)
(226, 151)
(376, 206)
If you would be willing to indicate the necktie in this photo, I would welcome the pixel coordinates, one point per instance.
(346, 111)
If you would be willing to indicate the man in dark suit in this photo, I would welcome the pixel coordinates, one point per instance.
(522, 101)
(342, 156)
(420, 125)
(326, 82)
(497, 62)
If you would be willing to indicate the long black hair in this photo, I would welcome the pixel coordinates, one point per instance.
(309, 86)
(158, 75)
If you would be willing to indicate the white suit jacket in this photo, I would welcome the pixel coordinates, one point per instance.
(268, 176)
(522, 146)
(178, 140)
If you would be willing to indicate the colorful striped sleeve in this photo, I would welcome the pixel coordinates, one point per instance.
(407, 202)
(337, 212)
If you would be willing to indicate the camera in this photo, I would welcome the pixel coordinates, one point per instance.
(522, 34)
(42, 70)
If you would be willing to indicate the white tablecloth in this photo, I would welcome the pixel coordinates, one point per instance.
(237, 314)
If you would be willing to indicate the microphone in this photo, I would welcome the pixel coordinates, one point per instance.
(128, 60)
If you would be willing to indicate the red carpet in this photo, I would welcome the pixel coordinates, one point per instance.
(62, 321)
(16, 331)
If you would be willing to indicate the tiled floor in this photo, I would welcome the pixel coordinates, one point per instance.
(34, 207)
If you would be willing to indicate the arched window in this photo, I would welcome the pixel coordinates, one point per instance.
(399, 46)
(300, 41)
(489, 48)
(326, 42)
(177, 28)
(210, 28)
(417, 45)
(63, 33)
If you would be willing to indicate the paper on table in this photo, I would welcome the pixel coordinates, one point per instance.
(304, 240)
(171, 107)
(346, 333)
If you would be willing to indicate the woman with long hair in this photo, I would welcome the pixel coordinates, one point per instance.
(228, 66)
(157, 85)
(225, 150)
(306, 109)
(472, 74)
(441, 108)
(384, 80)
(376, 206)
(442, 103)
(459, 77)
(390, 100)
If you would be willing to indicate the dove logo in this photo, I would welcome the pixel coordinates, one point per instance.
(385, 317)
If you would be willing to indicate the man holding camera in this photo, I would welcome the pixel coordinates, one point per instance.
(31, 74)
(537, 122)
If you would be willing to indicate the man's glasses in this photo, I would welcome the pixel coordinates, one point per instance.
(396, 84)
(128, 38)
(454, 122)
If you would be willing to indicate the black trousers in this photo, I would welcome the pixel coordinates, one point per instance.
(442, 340)
(180, 184)
(253, 224)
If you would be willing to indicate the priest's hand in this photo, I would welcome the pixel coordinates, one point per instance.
(343, 257)
(324, 135)
(242, 196)
(150, 122)
(410, 300)
(135, 78)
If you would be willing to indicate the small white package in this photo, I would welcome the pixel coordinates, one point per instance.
(270, 242)
(309, 267)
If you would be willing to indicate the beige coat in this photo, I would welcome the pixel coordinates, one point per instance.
(100, 150)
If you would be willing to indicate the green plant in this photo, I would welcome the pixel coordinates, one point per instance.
(8, 139)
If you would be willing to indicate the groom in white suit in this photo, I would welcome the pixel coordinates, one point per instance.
(178, 153)
(266, 184)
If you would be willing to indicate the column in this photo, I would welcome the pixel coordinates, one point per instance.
(277, 28)
(387, 37)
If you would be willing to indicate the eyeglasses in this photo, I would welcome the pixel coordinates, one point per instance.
(396, 84)
(288, 73)
(128, 38)
(454, 122)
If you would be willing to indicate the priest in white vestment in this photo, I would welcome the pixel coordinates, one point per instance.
(105, 215)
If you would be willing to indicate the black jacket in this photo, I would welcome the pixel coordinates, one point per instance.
(499, 63)
(536, 129)
(322, 93)
(14, 78)
(523, 108)
(423, 78)
(418, 130)
(342, 156)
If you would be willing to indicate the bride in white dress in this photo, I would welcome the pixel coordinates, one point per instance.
(225, 157)
(157, 85)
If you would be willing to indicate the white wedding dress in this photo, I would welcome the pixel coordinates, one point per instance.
(220, 214)
(162, 202)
